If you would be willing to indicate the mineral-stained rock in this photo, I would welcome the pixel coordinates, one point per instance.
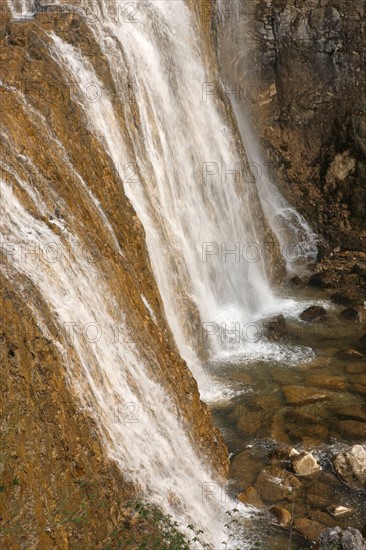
(327, 380)
(314, 314)
(274, 484)
(281, 516)
(308, 528)
(353, 429)
(305, 464)
(250, 496)
(351, 467)
(300, 395)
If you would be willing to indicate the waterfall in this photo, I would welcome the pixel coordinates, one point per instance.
(183, 167)
(189, 182)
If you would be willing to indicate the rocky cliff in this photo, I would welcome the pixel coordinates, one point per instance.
(299, 70)
(59, 487)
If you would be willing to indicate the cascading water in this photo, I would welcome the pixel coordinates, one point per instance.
(181, 164)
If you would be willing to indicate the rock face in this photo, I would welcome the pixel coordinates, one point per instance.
(54, 466)
(351, 466)
(301, 70)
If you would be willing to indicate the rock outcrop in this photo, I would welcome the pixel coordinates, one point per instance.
(299, 69)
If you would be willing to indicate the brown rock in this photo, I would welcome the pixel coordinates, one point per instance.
(299, 395)
(356, 314)
(320, 494)
(281, 516)
(314, 314)
(356, 368)
(250, 496)
(352, 429)
(327, 381)
(275, 484)
(308, 528)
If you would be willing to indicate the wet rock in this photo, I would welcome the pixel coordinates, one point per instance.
(351, 467)
(335, 539)
(342, 299)
(352, 429)
(358, 383)
(283, 453)
(361, 344)
(250, 496)
(327, 381)
(320, 494)
(323, 279)
(351, 412)
(350, 354)
(354, 314)
(356, 368)
(296, 281)
(299, 395)
(274, 328)
(245, 468)
(308, 528)
(304, 464)
(275, 484)
(281, 516)
(314, 314)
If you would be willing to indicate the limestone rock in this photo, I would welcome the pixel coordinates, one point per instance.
(305, 464)
(351, 467)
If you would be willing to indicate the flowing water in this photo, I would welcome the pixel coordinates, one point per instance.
(206, 219)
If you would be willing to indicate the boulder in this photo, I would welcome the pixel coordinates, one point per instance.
(356, 314)
(342, 299)
(281, 516)
(304, 464)
(308, 528)
(323, 279)
(274, 484)
(250, 496)
(351, 467)
(274, 328)
(314, 314)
